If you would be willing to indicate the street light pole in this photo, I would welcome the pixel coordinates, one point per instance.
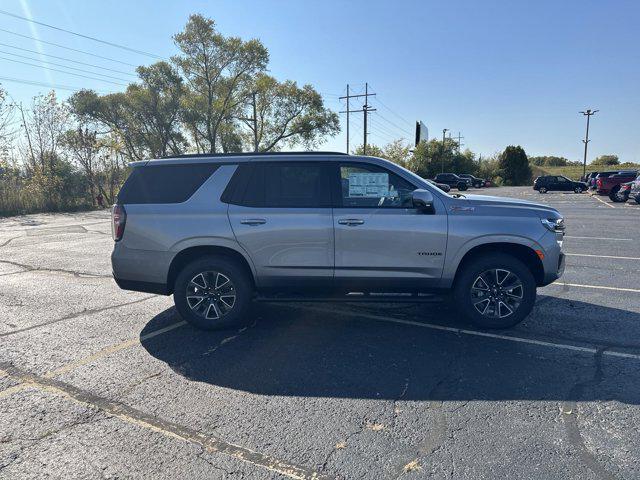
(444, 130)
(588, 114)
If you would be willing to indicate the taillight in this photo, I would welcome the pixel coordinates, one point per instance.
(599, 182)
(118, 221)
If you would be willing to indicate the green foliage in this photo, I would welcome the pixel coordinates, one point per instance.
(606, 160)
(551, 161)
(435, 157)
(513, 166)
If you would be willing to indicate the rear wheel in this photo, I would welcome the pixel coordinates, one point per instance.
(613, 194)
(213, 293)
(578, 189)
(542, 189)
(495, 291)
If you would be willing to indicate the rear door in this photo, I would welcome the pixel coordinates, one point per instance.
(281, 215)
(381, 241)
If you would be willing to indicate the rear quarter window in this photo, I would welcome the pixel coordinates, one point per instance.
(164, 183)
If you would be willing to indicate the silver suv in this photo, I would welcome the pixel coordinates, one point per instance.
(218, 231)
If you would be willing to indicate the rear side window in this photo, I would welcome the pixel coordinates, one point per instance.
(280, 185)
(164, 183)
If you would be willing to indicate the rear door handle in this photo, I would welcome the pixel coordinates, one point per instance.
(253, 221)
(352, 222)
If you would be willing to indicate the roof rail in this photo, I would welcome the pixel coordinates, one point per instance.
(249, 154)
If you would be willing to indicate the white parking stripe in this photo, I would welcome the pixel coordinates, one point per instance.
(600, 256)
(476, 333)
(601, 238)
(598, 287)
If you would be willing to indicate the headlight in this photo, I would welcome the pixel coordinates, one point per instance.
(554, 224)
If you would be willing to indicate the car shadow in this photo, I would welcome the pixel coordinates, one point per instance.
(294, 350)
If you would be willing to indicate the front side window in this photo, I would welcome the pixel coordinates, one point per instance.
(372, 186)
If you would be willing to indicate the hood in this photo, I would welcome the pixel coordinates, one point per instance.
(492, 201)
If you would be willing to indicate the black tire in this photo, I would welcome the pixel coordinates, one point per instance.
(637, 199)
(578, 189)
(462, 187)
(218, 316)
(542, 189)
(613, 194)
(472, 271)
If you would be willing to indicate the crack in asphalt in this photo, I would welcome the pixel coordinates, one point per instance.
(76, 315)
(137, 417)
(33, 268)
(572, 429)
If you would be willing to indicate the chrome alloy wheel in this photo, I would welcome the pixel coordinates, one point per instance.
(497, 293)
(211, 295)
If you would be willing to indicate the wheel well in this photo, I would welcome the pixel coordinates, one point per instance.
(525, 254)
(189, 254)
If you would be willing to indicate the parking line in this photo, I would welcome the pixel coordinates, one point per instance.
(476, 333)
(111, 349)
(601, 238)
(603, 202)
(600, 256)
(597, 287)
(139, 418)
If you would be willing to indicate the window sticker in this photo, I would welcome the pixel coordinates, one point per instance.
(369, 185)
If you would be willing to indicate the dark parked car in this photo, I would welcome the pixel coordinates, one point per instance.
(453, 180)
(475, 181)
(442, 186)
(593, 182)
(622, 195)
(559, 183)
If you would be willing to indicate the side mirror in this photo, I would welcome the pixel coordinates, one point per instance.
(422, 199)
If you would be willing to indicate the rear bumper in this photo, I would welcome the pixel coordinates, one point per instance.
(138, 286)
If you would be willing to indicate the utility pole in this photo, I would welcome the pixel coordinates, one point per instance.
(255, 124)
(366, 108)
(459, 137)
(588, 114)
(444, 130)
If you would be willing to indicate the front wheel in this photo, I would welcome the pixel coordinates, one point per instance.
(213, 293)
(578, 189)
(495, 291)
(462, 187)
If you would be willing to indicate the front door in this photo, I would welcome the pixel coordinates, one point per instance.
(382, 243)
(283, 220)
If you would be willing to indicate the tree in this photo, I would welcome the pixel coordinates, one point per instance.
(513, 166)
(283, 114)
(218, 72)
(145, 117)
(6, 117)
(372, 151)
(84, 148)
(606, 160)
(398, 152)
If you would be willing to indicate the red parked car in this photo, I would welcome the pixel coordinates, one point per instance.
(611, 185)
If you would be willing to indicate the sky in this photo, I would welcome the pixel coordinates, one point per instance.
(500, 72)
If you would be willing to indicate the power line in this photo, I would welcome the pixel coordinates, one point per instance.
(62, 71)
(66, 59)
(40, 84)
(383, 129)
(111, 44)
(406, 132)
(396, 114)
(47, 63)
(67, 48)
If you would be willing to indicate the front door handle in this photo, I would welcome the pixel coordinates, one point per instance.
(253, 221)
(352, 222)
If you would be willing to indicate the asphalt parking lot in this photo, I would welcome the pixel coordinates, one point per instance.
(96, 382)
